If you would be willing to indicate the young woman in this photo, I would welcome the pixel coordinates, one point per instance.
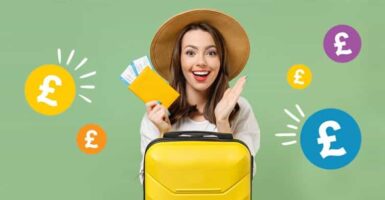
(199, 52)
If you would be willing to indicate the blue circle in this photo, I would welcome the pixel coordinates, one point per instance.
(330, 123)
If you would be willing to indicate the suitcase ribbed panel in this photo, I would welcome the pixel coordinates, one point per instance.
(197, 170)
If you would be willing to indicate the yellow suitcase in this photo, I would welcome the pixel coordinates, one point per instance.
(197, 166)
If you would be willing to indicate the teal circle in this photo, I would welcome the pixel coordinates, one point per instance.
(332, 123)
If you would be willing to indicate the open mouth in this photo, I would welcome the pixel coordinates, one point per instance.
(200, 75)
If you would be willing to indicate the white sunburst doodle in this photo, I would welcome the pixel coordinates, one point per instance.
(291, 126)
(78, 66)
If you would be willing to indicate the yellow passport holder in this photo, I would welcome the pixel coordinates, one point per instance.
(149, 86)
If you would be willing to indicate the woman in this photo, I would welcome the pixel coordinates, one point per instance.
(199, 52)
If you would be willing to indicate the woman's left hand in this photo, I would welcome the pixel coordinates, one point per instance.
(226, 105)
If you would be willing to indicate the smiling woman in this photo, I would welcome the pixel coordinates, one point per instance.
(199, 52)
(201, 61)
(196, 65)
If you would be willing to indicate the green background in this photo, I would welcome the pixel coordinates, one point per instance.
(39, 158)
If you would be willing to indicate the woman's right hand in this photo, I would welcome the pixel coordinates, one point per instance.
(158, 114)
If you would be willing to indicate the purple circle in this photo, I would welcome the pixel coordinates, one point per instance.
(342, 43)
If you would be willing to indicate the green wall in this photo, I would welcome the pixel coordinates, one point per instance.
(39, 157)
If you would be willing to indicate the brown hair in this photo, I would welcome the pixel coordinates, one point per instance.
(180, 108)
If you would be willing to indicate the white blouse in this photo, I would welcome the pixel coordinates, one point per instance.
(244, 125)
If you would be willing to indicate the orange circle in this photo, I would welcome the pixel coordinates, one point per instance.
(91, 139)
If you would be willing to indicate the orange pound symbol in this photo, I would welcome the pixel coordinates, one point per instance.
(91, 139)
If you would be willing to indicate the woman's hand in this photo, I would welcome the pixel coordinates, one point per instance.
(226, 105)
(158, 114)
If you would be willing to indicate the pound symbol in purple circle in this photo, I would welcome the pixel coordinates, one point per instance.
(342, 43)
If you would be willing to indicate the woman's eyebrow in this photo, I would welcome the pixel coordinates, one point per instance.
(210, 46)
(195, 47)
(192, 46)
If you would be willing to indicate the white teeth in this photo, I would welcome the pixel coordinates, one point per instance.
(201, 73)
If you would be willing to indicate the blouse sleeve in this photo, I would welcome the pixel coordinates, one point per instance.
(148, 133)
(246, 127)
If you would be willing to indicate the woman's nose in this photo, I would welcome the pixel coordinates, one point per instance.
(201, 60)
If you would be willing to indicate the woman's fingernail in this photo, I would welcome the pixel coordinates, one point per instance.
(160, 103)
(246, 77)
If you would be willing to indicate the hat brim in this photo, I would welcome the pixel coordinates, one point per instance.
(236, 40)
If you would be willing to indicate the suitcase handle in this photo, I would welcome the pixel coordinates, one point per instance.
(197, 134)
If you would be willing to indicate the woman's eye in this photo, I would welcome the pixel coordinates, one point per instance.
(190, 53)
(212, 53)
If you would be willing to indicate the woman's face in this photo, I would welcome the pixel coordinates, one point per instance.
(200, 60)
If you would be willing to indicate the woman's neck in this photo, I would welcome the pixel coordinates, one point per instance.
(198, 98)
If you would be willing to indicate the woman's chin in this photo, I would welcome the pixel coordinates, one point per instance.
(201, 87)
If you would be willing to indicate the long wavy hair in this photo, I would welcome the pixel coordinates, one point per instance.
(181, 108)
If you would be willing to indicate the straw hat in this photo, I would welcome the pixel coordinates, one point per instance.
(236, 40)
